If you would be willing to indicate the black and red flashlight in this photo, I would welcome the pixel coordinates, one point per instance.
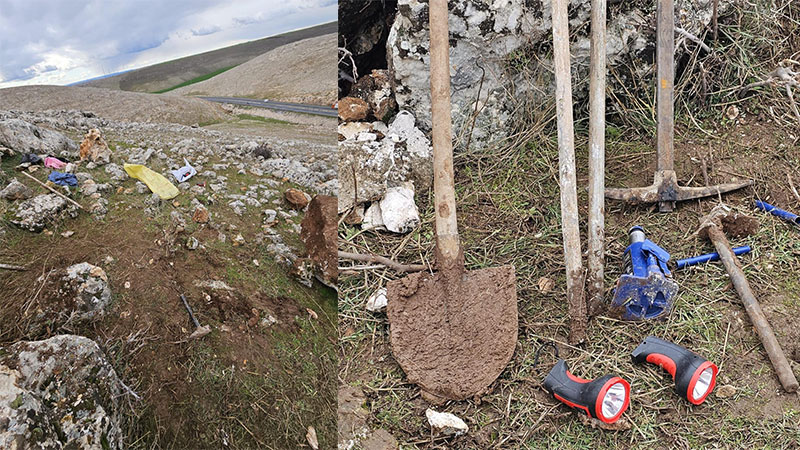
(604, 398)
(694, 375)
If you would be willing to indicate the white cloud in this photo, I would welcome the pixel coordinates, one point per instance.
(68, 41)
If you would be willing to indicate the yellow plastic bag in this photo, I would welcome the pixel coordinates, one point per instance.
(154, 180)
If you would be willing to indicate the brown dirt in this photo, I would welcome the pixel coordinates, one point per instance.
(302, 71)
(454, 333)
(319, 235)
(112, 104)
(148, 320)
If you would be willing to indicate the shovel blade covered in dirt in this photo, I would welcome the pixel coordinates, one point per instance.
(453, 331)
(453, 337)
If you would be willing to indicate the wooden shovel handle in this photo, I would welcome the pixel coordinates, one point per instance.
(447, 242)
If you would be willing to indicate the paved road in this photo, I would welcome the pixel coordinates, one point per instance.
(279, 106)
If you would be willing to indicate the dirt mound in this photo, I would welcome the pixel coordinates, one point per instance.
(302, 71)
(116, 105)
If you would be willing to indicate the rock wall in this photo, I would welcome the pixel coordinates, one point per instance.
(511, 40)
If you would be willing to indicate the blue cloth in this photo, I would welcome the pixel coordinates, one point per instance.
(63, 179)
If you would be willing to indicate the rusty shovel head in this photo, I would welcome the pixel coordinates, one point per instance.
(453, 332)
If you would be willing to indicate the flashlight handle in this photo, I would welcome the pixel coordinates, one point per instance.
(681, 363)
(578, 393)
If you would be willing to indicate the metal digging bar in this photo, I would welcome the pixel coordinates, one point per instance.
(665, 189)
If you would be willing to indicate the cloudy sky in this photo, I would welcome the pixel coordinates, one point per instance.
(61, 42)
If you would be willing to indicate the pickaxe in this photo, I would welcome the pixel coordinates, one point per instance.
(665, 189)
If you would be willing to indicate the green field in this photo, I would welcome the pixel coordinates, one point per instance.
(195, 80)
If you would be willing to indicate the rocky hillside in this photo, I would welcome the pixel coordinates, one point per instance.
(303, 71)
(171, 73)
(112, 104)
(239, 240)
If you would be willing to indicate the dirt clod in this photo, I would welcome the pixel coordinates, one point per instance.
(319, 235)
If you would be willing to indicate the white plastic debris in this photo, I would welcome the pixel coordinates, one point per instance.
(446, 423)
(377, 301)
(185, 172)
(398, 210)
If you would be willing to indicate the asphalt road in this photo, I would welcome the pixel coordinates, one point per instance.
(279, 106)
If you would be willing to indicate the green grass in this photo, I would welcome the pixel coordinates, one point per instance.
(195, 80)
(262, 119)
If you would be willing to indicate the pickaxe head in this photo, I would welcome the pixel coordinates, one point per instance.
(666, 191)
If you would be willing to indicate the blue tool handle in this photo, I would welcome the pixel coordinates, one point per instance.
(683, 263)
(783, 214)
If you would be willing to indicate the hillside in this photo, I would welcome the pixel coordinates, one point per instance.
(117, 105)
(171, 73)
(303, 71)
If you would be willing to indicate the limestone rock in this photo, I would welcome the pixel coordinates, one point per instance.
(352, 109)
(60, 393)
(16, 191)
(497, 36)
(95, 148)
(296, 198)
(376, 90)
(24, 137)
(86, 292)
(201, 214)
(38, 212)
(117, 174)
(404, 155)
(398, 210)
(377, 301)
(446, 423)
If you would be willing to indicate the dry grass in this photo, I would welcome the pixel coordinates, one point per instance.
(509, 214)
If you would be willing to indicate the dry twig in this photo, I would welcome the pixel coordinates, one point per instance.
(399, 267)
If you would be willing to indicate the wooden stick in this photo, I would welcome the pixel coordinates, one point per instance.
(12, 267)
(53, 190)
(566, 163)
(399, 267)
(693, 38)
(448, 247)
(753, 308)
(597, 136)
(794, 190)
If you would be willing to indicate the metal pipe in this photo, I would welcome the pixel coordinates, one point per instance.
(708, 257)
(777, 212)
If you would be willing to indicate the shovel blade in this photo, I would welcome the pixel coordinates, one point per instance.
(453, 332)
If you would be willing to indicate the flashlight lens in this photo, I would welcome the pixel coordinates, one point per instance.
(701, 387)
(614, 400)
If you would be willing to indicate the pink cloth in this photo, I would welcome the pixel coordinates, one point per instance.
(54, 163)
